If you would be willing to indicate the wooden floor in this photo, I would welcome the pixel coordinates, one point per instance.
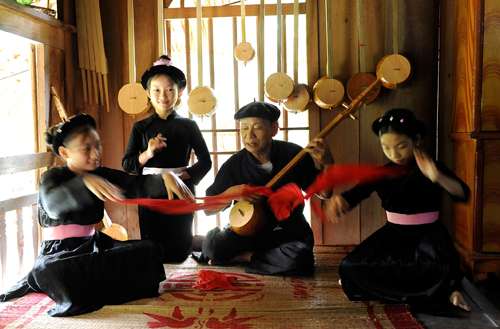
(485, 313)
(256, 302)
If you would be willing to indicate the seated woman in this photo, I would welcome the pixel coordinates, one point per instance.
(79, 268)
(411, 259)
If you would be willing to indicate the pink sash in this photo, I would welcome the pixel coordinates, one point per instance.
(67, 231)
(413, 219)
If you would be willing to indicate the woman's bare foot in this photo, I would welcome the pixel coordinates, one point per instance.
(458, 300)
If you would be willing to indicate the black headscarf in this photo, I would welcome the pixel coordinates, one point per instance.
(401, 121)
(163, 66)
(56, 135)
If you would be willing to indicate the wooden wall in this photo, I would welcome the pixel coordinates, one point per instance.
(447, 22)
(470, 114)
(459, 22)
(115, 125)
(490, 108)
(353, 141)
(114, 20)
(490, 124)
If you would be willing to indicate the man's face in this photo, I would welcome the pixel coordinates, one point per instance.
(257, 134)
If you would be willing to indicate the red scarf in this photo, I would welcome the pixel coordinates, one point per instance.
(282, 201)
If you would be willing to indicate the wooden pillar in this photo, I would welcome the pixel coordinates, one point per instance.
(3, 247)
(116, 125)
(475, 129)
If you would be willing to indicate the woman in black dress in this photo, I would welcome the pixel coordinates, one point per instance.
(163, 142)
(79, 268)
(411, 259)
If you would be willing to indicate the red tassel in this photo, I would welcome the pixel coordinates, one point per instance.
(212, 280)
(284, 200)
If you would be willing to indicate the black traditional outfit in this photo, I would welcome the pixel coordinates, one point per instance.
(404, 262)
(83, 273)
(173, 234)
(285, 247)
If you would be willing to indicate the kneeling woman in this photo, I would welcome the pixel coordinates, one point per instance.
(411, 259)
(79, 268)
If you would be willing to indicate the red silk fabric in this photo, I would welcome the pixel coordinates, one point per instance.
(213, 280)
(179, 207)
(282, 201)
(342, 175)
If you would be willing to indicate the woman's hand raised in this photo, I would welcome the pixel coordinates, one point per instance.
(102, 188)
(175, 185)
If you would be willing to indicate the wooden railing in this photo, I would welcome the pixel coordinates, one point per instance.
(18, 210)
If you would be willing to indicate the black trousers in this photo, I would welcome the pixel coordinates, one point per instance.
(415, 264)
(83, 274)
(172, 234)
(280, 250)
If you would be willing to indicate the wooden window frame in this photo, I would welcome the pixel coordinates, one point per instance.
(226, 11)
(46, 32)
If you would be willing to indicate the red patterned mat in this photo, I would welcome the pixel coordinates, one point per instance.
(258, 302)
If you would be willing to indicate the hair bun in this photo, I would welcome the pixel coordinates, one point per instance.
(49, 137)
(399, 120)
(163, 60)
(55, 135)
(164, 65)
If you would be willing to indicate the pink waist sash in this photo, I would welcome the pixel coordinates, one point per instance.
(413, 219)
(67, 231)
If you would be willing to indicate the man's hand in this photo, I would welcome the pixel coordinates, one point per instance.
(240, 189)
(319, 153)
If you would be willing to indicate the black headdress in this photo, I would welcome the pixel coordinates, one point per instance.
(56, 135)
(163, 66)
(401, 121)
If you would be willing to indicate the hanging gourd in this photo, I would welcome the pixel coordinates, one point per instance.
(202, 101)
(244, 51)
(395, 68)
(300, 97)
(328, 92)
(359, 81)
(279, 85)
(132, 98)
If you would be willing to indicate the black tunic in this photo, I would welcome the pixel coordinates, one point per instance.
(172, 233)
(283, 247)
(403, 263)
(82, 274)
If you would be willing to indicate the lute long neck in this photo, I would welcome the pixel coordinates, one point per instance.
(345, 112)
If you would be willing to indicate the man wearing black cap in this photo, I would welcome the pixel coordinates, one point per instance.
(285, 247)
